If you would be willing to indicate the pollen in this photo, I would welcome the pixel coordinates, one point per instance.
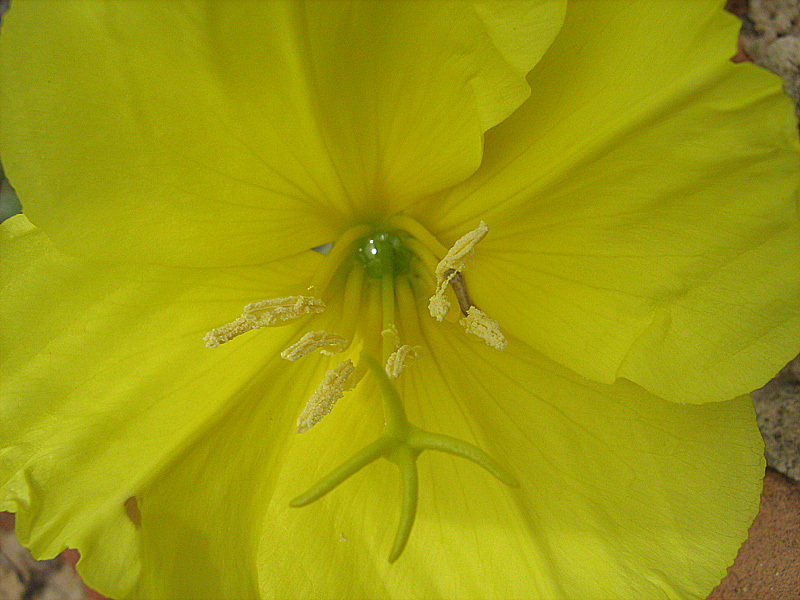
(282, 309)
(399, 359)
(262, 314)
(477, 323)
(438, 305)
(462, 252)
(330, 342)
(322, 400)
(451, 266)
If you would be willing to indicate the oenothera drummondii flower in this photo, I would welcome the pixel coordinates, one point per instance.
(607, 198)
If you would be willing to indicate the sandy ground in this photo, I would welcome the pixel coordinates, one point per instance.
(768, 565)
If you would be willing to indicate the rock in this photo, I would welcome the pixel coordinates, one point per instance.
(778, 409)
(771, 38)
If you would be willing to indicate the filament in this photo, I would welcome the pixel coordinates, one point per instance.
(341, 249)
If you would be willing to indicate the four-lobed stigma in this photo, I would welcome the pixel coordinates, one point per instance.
(376, 274)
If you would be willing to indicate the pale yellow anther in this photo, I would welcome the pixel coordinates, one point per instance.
(322, 400)
(438, 305)
(477, 323)
(282, 309)
(398, 360)
(453, 263)
(223, 334)
(263, 314)
(462, 252)
(330, 342)
(391, 335)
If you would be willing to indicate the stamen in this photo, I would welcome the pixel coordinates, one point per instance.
(262, 314)
(451, 265)
(325, 396)
(407, 310)
(226, 333)
(438, 305)
(335, 258)
(422, 252)
(404, 356)
(462, 251)
(390, 335)
(406, 223)
(477, 323)
(351, 302)
(313, 340)
(282, 309)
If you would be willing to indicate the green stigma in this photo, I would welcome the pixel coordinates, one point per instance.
(384, 254)
(400, 443)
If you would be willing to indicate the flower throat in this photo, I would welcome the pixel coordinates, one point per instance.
(377, 274)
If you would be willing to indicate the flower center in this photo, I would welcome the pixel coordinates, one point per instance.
(384, 254)
(376, 268)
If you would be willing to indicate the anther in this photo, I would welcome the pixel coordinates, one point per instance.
(451, 266)
(399, 359)
(438, 305)
(282, 309)
(332, 344)
(477, 323)
(262, 314)
(322, 400)
(462, 251)
(390, 334)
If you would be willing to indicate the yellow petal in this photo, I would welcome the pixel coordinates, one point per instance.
(201, 515)
(105, 377)
(226, 134)
(623, 495)
(111, 394)
(641, 206)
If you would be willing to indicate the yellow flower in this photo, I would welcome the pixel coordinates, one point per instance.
(624, 240)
